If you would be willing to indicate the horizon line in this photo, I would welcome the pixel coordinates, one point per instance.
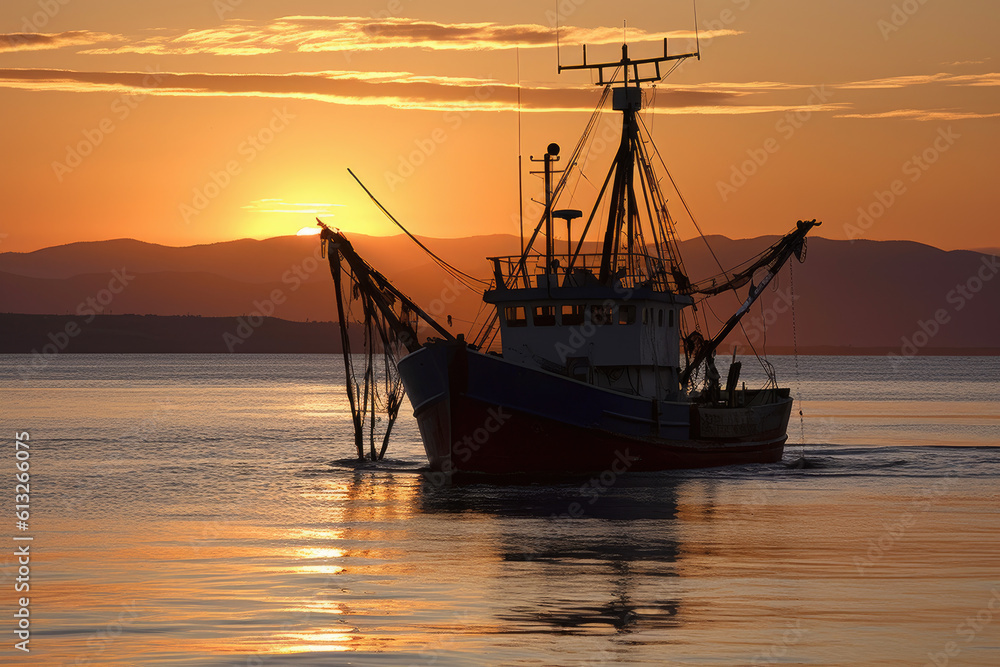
(981, 250)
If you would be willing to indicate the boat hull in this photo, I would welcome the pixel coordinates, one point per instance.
(480, 414)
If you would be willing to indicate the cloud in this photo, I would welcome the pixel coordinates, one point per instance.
(986, 79)
(37, 41)
(960, 63)
(314, 34)
(739, 110)
(393, 89)
(404, 90)
(982, 80)
(923, 115)
(281, 206)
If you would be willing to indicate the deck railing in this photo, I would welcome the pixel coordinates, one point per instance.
(644, 270)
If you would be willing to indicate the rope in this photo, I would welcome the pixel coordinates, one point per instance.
(688, 209)
(768, 369)
(795, 349)
(456, 273)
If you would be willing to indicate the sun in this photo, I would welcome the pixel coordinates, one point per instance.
(308, 231)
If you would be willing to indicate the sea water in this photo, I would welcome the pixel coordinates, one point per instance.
(209, 510)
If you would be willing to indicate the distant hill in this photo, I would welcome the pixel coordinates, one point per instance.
(860, 295)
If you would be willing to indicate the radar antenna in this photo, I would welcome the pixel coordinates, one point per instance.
(625, 63)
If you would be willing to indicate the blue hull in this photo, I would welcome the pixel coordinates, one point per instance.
(478, 413)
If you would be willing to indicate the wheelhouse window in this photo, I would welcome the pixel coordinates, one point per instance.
(670, 318)
(601, 315)
(572, 314)
(660, 318)
(626, 314)
(515, 316)
(544, 316)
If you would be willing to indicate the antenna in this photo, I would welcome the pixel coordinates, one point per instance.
(520, 178)
(637, 77)
(558, 61)
(697, 37)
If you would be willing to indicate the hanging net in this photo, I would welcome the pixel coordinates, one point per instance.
(371, 350)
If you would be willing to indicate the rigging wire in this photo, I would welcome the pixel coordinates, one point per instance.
(687, 208)
(520, 178)
(489, 329)
(724, 273)
(456, 273)
(795, 350)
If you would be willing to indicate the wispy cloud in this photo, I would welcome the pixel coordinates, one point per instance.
(404, 90)
(282, 206)
(945, 79)
(38, 41)
(393, 89)
(985, 79)
(311, 34)
(742, 87)
(960, 63)
(923, 115)
(739, 110)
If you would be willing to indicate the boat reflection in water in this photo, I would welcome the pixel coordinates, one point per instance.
(394, 565)
(575, 559)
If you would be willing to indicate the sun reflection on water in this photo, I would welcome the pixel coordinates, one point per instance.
(318, 642)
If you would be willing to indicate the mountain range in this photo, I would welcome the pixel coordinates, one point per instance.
(860, 295)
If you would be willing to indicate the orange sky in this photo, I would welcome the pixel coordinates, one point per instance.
(192, 122)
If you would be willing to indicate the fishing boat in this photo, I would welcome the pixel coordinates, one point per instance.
(600, 364)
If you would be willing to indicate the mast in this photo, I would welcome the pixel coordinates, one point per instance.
(623, 212)
(551, 156)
